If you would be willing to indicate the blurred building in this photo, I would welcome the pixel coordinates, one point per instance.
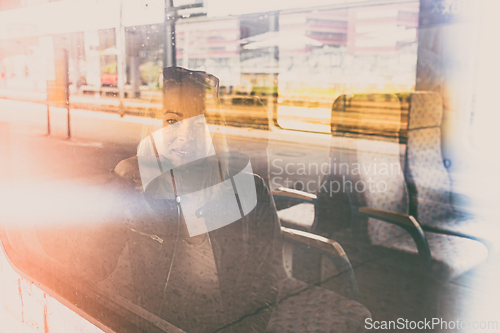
(211, 45)
(301, 54)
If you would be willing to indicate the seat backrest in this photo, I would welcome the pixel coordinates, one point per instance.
(369, 169)
(366, 115)
(373, 177)
(427, 178)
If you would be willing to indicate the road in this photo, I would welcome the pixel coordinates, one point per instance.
(99, 140)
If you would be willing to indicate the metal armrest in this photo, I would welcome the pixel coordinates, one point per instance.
(319, 242)
(407, 222)
(329, 247)
(288, 193)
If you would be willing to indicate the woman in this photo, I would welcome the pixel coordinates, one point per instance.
(220, 280)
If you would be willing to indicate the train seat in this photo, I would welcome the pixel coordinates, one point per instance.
(298, 306)
(301, 216)
(364, 114)
(314, 309)
(428, 179)
(380, 215)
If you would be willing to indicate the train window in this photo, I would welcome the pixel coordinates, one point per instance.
(346, 50)
(249, 166)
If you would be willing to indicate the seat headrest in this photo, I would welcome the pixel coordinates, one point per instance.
(426, 110)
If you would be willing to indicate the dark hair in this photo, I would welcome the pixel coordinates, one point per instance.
(203, 85)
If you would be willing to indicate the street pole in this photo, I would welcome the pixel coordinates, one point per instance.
(274, 27)
(48, 109)
(121, 62)
(169, 58)
(66, 66)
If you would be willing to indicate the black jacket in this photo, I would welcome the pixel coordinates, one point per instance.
(246, 253)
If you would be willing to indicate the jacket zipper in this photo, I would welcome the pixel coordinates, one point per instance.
(153, 237)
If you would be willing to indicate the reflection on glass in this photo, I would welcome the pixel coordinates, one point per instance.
(325, 97)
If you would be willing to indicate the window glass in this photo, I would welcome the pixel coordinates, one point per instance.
(300, 167)
(363, 49)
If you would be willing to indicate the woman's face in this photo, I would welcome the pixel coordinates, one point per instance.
(185, 136)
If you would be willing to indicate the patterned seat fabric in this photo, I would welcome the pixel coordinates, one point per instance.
(301, 216)
(486, 231)
(428, 180)
(452, 255)
(305, 308)
(375, 180)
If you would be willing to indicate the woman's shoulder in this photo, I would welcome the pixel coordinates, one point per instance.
(128, 170)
